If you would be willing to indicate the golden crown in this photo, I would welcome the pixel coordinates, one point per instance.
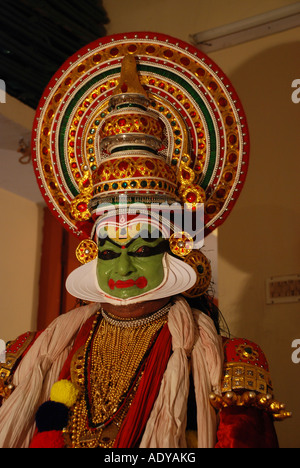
(132, 155)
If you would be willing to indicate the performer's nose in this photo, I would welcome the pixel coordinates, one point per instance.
(124, 264)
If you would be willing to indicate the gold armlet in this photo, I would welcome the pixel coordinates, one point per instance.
(14, 352)
(249, 398)
(6, 387)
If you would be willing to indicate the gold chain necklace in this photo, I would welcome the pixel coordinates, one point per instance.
(113, 358)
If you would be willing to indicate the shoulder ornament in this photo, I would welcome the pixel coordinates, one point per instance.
(14, 352)
(246, 379)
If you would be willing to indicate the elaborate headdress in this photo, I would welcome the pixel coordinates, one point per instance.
(145, 116)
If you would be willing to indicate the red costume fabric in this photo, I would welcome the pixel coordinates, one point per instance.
(132, 429)
(242, 427)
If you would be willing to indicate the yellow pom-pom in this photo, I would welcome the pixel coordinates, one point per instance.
(64, 392)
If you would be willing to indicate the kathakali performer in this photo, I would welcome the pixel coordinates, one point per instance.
(140, 147)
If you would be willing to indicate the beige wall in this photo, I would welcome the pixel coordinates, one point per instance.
(20, 239)
(181, 18)
(261, 238)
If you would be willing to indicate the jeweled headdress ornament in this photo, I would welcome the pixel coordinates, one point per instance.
(145, 115)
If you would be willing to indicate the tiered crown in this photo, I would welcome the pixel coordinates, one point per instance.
(132, 156)
(130, 137)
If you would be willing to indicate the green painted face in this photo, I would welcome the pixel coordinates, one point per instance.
(131, 269)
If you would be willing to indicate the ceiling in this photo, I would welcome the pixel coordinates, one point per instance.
(36, 37)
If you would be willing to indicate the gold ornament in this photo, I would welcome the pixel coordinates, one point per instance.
(240, 376)
(181, 244)
(79, 206)
(110, 358)
(86, 251)
(131, 123)
(200, 263)
(129, 79)
(185, 174)
(262, 401)
(192, 194)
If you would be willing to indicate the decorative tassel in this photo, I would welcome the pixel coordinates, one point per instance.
(51, 416)
(51, 439)
(64, 392)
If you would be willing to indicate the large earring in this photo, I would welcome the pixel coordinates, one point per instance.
(200, 263)
(86, 251)
(181, 244)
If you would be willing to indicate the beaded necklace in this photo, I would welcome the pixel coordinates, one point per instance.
(110, 368)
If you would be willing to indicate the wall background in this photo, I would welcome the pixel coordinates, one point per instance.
(21, 222)
(261, 237)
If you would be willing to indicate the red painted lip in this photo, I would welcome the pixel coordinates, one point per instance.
(141, 283)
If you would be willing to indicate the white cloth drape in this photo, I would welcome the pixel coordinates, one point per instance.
(194, 336)
(35, 375)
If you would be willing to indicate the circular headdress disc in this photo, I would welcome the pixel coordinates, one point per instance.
(188, 91)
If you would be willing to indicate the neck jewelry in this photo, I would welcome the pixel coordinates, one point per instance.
(113, 360)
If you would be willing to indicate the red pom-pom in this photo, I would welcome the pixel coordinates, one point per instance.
(49, 439)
